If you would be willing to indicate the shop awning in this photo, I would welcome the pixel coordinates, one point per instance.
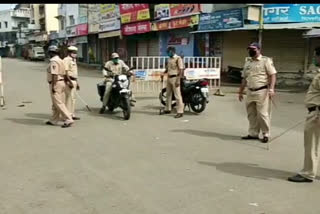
(293, 26)
(312, 33)
(109, 34)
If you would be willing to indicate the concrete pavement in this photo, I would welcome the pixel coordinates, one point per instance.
(150, 164)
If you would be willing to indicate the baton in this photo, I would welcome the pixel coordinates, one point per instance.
(83, 101)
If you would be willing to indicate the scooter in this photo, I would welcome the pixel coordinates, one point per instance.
(194, 95)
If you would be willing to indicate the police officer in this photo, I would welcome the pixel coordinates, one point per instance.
(113, 67)
(56, 79)
(175, 73)
(311, 128)
(71, 80)
(259, 74)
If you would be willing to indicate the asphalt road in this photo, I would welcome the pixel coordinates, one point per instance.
(150, 164)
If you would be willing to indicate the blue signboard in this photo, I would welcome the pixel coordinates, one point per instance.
(225, 19)
(286, 13)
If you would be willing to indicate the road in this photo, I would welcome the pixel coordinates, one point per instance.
(149, 165)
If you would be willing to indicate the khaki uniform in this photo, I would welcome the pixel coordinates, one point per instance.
(174, 64)
(256, 72)
(116, 69)
(59, 110)
(72, 71)
(312, 130)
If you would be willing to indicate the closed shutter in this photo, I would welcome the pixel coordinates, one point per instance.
(154, 47)
(142, 47)
(235, 45)
(286, 48)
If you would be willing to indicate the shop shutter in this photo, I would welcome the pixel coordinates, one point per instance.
(286, 48)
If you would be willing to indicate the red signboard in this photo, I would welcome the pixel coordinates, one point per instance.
(177, 23)
(177, 10)
(134, 12)
(82, 30)
(136, 28)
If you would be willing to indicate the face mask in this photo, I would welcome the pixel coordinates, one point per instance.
(252, 53)
(115, 61)
(170, 54)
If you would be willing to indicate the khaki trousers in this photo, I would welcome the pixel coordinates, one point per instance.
(71, 97)
(107, 93)
(59, 109)
(171, 88)
(259, 112)
(311, 145)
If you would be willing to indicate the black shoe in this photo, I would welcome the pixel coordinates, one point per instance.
(131, 104)
(66, 125)
(49, 123)
(299, 179)
(249, 137)
(179, 115)
(75, 118)
(166, 112)
(265, 140)
(102, 110)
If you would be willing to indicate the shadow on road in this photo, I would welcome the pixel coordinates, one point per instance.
(38, 115)
(233, 138)
(32, 122)
(115, 115)
(249, 170)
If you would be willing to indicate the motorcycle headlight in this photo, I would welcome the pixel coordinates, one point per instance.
(124, 84)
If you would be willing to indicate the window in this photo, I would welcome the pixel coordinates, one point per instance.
(6, 24)
(71, 18)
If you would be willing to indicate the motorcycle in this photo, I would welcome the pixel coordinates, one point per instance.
(120, 94)
(194, 95)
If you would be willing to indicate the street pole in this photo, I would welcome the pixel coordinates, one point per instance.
(260, 25)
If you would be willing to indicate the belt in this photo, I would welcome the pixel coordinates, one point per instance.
(257, 89)
(73, 78)
(313, 108)
(57, 80)
(171, 76)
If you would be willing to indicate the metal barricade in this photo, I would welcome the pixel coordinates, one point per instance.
(148, 70)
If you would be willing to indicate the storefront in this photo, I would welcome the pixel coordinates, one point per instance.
(136, 31)
(109, 30)
(282, 37)
(174, 24)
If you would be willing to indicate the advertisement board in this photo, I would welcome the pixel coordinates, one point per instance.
(136, 28)
(109, 17)
(177, 10)
(224, 19)
(134, 12)
(202, 73)
(286, 13)
(176, 23)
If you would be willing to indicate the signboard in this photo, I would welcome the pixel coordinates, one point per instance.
(177, 10)
(202, 73)
(176, 23)
(286, 13)
(140, 74)
(136, 28)
(94, 18)
(225, 19)
(82, 39)
(109, 14)
(82, 30)
(71, 31)
(161, 11)
(134, 12)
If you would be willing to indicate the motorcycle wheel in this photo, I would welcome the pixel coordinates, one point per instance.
(198, 103)
(163, 98)
(126, 108)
